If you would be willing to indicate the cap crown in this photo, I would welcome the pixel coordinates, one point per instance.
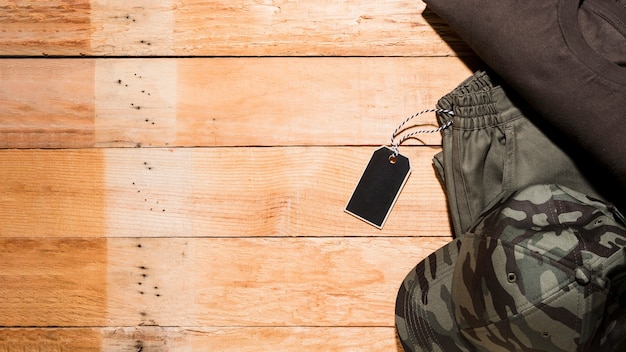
(534, 272)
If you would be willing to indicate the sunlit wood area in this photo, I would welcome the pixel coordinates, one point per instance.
(173, 173)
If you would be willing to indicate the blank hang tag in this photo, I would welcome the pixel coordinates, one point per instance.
(379, 187)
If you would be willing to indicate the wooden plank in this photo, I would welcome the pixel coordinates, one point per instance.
(80, 103)
(323, 101)
(47, 104)
(52, 194)
(60, 282)
(51, 339)
(259, 281)
(220, 27)
(253, 339)
(206, 192)
(210, 282)
(227, 245)
(244, 339)
(57, 27)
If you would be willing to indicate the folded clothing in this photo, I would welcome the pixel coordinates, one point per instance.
(566, 59)
(493, 145)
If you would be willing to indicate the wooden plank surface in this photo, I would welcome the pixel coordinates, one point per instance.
(173, 173)
(223, 28)
(211, 282)
(206, 192)
(221, 339)
(218, 102)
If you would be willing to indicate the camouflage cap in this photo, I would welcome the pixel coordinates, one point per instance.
(543, 269)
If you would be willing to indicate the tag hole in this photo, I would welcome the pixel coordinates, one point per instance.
(393, 159)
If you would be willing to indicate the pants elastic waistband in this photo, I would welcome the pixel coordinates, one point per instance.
(479, 102)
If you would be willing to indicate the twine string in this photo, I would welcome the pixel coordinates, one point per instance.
(396, 144)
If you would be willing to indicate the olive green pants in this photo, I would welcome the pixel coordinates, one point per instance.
(493, 145)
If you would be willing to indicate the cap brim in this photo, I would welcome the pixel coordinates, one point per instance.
(424, 311)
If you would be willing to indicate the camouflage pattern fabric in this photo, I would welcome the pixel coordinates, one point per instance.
(541, 270)
(495, 144)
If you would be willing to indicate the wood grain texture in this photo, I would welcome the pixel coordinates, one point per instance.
(211, 282)
(82, 103)
(173, 173)
(52, 339)
(206, 192)
(305, 101)
(40, 28)
(221, 339)
(47, 103)
(219, 28)
(53, 282)
(52, 194)
(332, 339)
(259, 281)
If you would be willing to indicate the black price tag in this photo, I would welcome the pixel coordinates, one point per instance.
(379, 187)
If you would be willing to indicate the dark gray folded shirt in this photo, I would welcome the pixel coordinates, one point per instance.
(566, 58)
